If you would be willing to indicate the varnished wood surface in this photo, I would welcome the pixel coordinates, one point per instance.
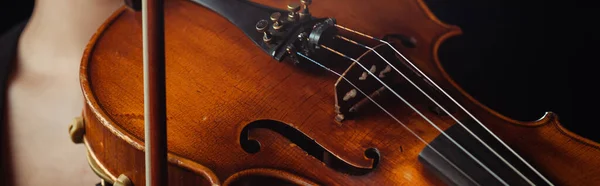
(218, 81)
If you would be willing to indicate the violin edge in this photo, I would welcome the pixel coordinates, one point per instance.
(548, 136)
(91, 106)
(549, 118)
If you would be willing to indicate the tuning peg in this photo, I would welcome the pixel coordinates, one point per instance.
(261, 26)
(293, 8)
(305, 13)
(275, 17)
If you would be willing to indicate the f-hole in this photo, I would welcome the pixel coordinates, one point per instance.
(307, 144)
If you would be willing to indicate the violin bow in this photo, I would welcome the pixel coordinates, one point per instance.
(155, 128)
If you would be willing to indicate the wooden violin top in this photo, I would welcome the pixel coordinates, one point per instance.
(233, 112)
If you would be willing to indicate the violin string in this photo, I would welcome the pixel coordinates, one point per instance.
(440, 106)
(452, 99)
(418, 112)
(393, 117)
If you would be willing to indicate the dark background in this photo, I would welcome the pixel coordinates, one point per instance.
(514, 57)
(13, 11)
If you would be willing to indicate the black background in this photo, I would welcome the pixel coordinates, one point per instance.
(13, 11)
(514, 57)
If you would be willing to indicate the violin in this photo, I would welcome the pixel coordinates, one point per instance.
(308, 93)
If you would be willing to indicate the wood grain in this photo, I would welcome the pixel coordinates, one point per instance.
(218, 82)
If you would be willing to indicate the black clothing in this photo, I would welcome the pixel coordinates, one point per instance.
(8, 49)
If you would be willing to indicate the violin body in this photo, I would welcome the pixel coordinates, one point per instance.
(234, 114)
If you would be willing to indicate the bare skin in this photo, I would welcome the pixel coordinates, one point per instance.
(44, 93)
